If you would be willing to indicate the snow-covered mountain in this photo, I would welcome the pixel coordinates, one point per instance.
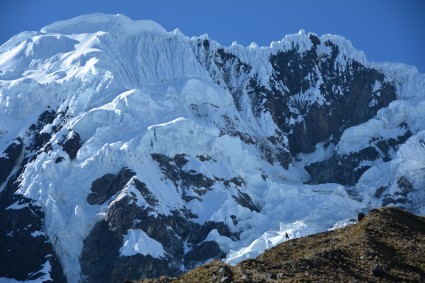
(130, 152)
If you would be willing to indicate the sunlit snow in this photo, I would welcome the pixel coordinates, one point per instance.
(134, 89)
(138, 242)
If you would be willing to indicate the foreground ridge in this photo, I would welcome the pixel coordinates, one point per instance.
(386, 246)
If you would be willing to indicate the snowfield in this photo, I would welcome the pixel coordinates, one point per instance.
(130, 89)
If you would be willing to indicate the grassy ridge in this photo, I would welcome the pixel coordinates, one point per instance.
(388, 245)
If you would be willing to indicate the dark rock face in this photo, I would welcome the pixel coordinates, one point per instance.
(146, 193)
(341, 169)
(245, 200)
(10, 159)
(170, 166)
(39, 140)
(354, 102)
(346, 169)
(173, 169)
(108, 185)
(59, 159)
(72, 144)
(399, 196)
(312, 97)
(385, 246)
(202, 252)
(97, 261)
(101, 260)
(26, 252)
(187, 180)
(225, 68)
(200, 232)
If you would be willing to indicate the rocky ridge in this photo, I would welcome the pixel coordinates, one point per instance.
(386, 246)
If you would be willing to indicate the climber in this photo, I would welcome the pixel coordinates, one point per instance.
(360, 216)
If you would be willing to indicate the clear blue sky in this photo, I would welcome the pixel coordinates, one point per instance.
(386, 30)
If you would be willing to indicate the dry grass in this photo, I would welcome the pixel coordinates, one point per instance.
(387, 246)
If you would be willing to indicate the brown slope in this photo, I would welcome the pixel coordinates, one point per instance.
(386, 246)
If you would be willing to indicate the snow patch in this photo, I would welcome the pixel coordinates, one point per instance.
(138, 242)
(37, 233)
(101, 22)
(17, 206)
(342, 224)
(270, 239)
(180, 119)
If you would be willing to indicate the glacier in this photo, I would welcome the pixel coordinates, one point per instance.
(211, 142)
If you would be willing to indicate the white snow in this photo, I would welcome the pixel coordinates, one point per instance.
(37, 233)
(343, 223)
(138, 242)
(298, 210)
(180, 119)
(270, 239)
(16, 205)
(409, 163)
(100, 22)
(134, 89)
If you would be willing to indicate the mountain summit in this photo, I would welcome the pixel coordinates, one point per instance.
(130, 152)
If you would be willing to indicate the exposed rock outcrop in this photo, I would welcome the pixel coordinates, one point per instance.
(386, 246)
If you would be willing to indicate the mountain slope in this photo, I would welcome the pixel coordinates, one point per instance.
(386, 246)
(126, 145)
